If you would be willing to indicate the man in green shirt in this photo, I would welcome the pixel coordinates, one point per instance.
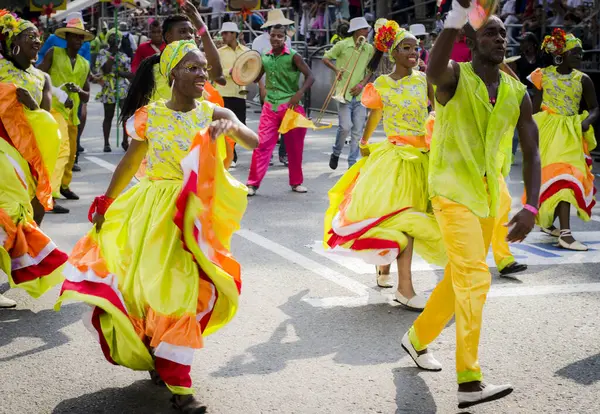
(476, 105)
(350, 53)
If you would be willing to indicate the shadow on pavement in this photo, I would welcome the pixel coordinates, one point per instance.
(45, 325)
(367, 335)
(585, 372)
(141, 397)
(412, 393)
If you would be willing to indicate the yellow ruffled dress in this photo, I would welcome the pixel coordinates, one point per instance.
(384, 197)
(159, 275)
(29, 142)
(564, 147)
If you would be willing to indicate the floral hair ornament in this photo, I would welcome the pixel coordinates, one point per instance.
(385, 34)
(11, 26)
(555, 43)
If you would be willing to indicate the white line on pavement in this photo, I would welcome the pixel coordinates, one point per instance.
(323, 271)
(104, 164)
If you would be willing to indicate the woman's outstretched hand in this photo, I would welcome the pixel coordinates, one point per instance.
(223, 127)
(26, 99)
(98, 221)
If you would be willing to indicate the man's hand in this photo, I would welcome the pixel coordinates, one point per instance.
(295, 101)
(26, 99)
(190, 11)
(71, 87)
(69, 103)
(364, 151)
(339, 74)
(520, 226)
(585, 126)
(356, 90)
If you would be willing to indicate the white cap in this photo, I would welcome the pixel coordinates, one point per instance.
(418, 30)
(358, 23)
(230, 27)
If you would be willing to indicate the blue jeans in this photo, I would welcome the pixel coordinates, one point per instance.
(352, 118)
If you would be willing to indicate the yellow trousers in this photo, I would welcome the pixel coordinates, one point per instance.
(63, 173)
(463, 290)
(502, 254)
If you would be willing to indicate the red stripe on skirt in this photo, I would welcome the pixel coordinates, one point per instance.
(568, 185)
(172, 373)
(49, 264)
(99, 290)
(103, 344)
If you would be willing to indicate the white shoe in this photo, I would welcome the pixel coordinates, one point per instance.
(488, 393)
(233, 164)
(6, 302)
(575, 246)
(251, 191)
(383, 280)
(299, 189)
(416, 303)
(554, 232)
(426, 361)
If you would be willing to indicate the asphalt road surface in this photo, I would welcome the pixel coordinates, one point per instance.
(313, 333)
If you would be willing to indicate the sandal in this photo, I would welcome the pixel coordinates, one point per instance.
(551, 231)
(383, 280)
(156, 379)
(512, 268)
(575, 246)
(188, 404)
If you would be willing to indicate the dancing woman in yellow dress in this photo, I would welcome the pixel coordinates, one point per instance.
(566, 138)
(380, 208)
(29, 141)
(156, 268)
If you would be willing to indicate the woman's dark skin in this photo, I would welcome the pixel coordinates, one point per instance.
(572, 60)
(28, 44)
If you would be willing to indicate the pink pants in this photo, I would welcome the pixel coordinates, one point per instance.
(267, 134)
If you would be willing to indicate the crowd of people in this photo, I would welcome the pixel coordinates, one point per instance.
(156, 267)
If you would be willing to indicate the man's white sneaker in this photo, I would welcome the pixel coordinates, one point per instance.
(488, 393)
(6, 302)
(424, 361)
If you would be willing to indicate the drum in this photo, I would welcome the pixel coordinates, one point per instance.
(246, 68)
(481, 12)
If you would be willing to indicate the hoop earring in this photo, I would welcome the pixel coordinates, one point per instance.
(172, 86)
(558, 60)
(17, 48)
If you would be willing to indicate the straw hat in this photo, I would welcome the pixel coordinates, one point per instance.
(246, 68)
(74, 25)
(358, 23)
(229, 27)
(276, 17)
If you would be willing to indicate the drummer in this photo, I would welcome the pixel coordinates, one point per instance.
(234, 96)
(282, 67)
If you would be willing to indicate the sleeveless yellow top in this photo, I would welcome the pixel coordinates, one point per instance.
(31, 79)
(62, 72)
(561, 93)
(466, 141)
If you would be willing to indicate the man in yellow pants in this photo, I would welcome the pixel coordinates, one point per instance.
(476, 104)
(69, 72)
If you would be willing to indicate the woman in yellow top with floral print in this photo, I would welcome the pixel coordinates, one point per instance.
(29, 140)
(566, 138)
(380, 208)
(157, 268)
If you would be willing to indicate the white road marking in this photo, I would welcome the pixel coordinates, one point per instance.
(104, 164)
(303, 261)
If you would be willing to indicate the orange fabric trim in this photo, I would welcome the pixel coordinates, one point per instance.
(86, 255)
(139, 122)
(346, 202)
(213, 95)
(412, 140)
(371, 98)
(554, 170)
(546, 108)
(176, 330)
(23, 139)
(22, 238)
(536, 78)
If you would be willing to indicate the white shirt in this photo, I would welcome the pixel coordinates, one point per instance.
(217, 6)
(262, 43)
(509, 7)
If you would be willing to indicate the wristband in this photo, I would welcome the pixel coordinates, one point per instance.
(458, 16)
(531, 209)
(201, 31)
(99, 206)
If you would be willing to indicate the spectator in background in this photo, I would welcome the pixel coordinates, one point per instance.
(128, 45)
(355, 7)
(341, 32)
(419, 31)
(530, 59)
(370, 18)
(95, 46)
(461, 51)
(217, 10)
(509, 16)
(150, 48)
(55, 41)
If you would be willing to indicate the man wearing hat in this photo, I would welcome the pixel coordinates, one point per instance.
(262, 44)
(69, 72)
(351, 114)
(234, 96)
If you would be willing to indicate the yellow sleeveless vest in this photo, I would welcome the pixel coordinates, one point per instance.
(466, 141)
(62, 72)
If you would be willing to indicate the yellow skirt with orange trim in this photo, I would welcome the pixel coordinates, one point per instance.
(380, 202)
(566, 165)
(159, 275)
